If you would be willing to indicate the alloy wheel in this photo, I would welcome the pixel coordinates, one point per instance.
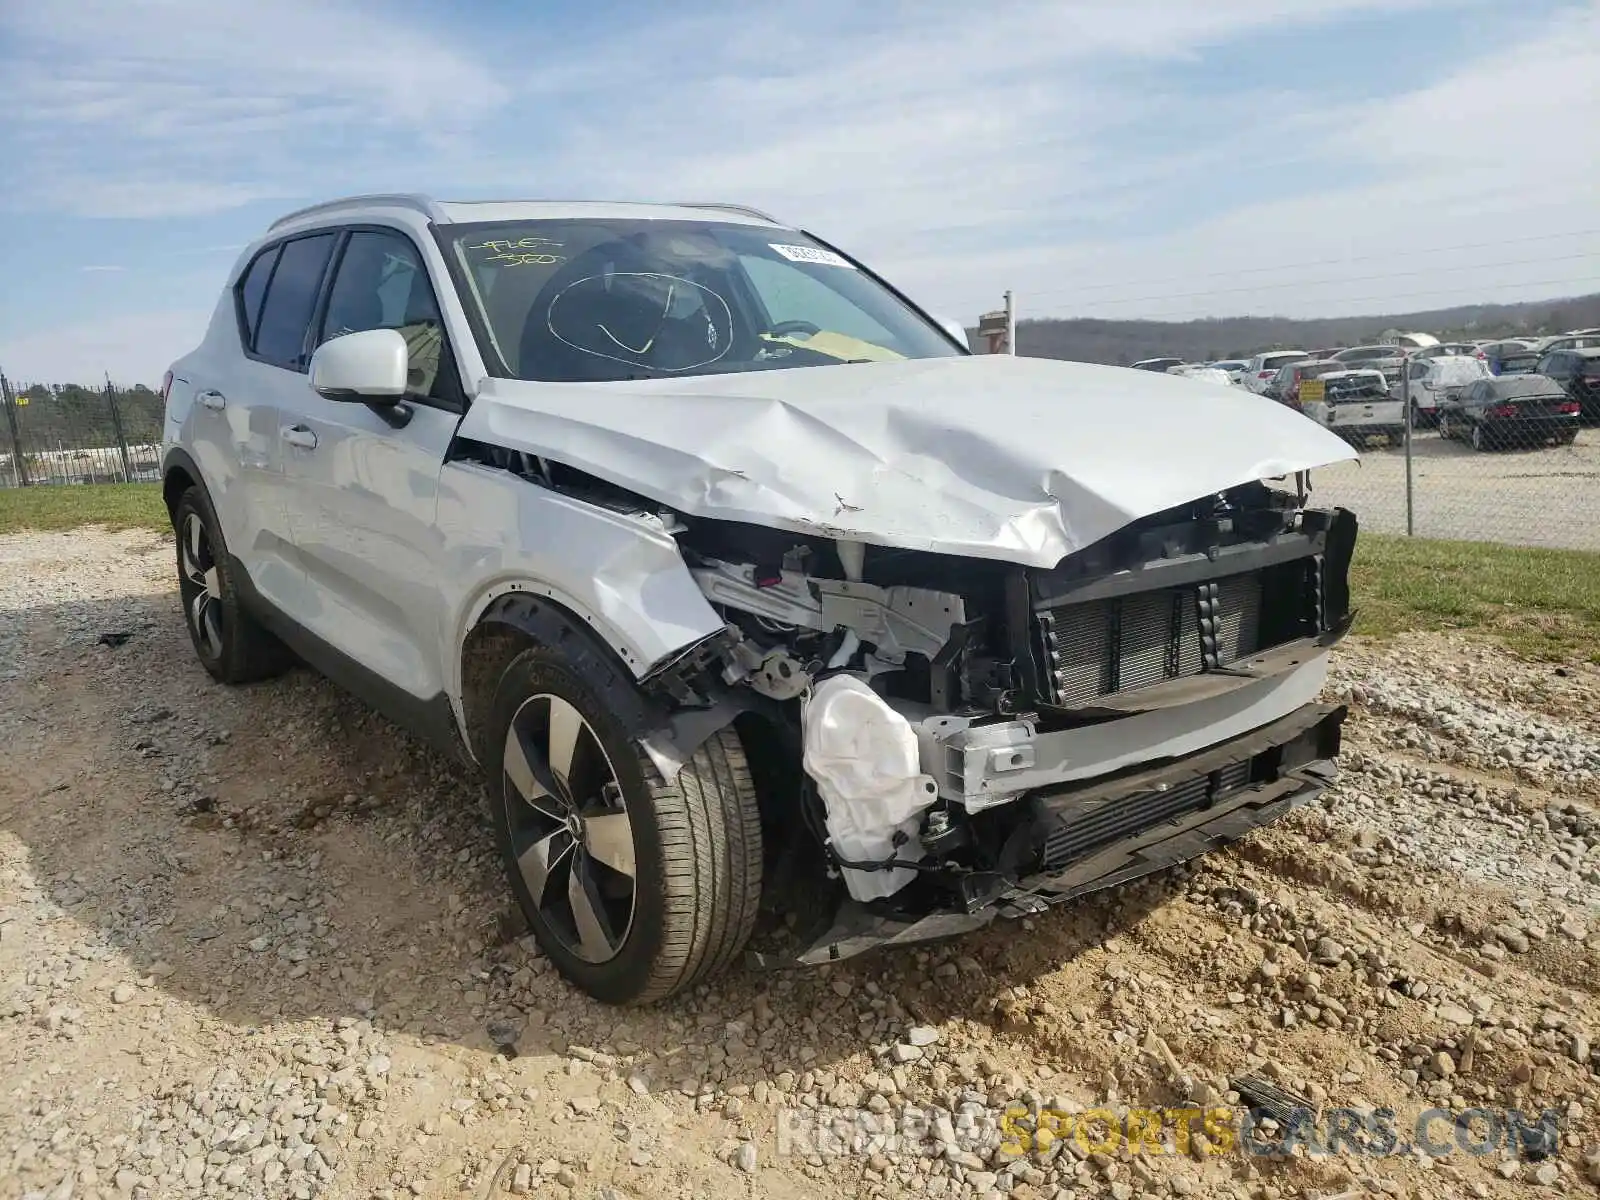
(569, 828)
(201, 586)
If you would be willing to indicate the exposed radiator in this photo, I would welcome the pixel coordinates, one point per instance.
(1108, 646)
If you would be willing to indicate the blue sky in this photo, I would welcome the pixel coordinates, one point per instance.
(1135, 158)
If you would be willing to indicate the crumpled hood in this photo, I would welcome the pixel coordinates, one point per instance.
(1024, 460)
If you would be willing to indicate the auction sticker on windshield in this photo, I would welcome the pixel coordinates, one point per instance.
(813, 254)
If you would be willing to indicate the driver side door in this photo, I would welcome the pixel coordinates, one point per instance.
(364, 482)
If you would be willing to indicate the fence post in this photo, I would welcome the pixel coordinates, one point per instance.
(116, 428)
(16, 435)
(1405, 394)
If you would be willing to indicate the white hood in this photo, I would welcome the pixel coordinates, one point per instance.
(1025, 460)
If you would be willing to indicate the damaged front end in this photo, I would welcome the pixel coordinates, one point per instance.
(982, 739)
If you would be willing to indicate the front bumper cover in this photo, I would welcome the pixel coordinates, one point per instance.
(1282, 765)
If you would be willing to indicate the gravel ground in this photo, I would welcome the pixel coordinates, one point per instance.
(254, 942)
(1543, 497)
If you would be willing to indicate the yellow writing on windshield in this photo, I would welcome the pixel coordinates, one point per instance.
(521, 252)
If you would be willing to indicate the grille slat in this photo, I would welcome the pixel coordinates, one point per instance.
(1097, 823)
(1108, 646)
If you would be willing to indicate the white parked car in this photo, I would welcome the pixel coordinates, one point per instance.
(1355, 404)
(1260, 370)
(1235, 367)
(724, 561)
(1436, 381)
(1203, 374)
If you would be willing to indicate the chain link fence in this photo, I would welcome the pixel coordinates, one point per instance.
(1516, 460)
(64, 434)
(1521, 468)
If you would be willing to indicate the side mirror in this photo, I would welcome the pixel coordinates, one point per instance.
(368, 367)
(955, 329)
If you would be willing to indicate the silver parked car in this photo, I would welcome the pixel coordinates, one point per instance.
(726, 563)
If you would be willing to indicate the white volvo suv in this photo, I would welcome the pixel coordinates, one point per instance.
(731, 567)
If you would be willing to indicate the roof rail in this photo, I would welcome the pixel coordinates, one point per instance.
(737, 208)
(411, 200)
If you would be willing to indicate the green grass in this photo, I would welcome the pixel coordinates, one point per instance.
(69, 506)
(1542, 604)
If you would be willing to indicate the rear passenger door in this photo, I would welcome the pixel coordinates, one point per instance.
(275, 300)
(363, 492)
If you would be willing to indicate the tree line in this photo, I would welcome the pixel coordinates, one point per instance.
(74, 416)
(1120, 343)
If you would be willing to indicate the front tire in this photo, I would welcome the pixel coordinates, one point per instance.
(634, 887)
(229, 642)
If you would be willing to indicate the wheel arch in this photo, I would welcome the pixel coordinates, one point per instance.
(518, 618)
(179, 472)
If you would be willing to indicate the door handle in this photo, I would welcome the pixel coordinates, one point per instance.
(299, 435)
(212, 399)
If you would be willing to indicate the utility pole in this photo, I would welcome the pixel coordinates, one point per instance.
(1405, 395)
(16, 435)
(116, 428)
(1011, 323)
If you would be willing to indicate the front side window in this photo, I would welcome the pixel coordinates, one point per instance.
(382, 283)
(597, 300)
(292, 294)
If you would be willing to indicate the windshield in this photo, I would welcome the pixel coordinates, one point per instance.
(597, 300)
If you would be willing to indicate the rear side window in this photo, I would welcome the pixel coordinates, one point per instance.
(252, 287)
(292, 294)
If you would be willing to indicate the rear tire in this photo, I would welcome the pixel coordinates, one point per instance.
(229, 642)
(570, 840)
(1446, 430)
(1480, 440)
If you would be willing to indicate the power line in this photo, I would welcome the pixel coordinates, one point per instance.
(1329, 262)
(1297, 283)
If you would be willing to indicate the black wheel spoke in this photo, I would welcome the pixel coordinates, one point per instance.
(529, 773)
(597, 940)
(543, 857)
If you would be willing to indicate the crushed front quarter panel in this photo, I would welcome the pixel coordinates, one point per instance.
(1022, 460)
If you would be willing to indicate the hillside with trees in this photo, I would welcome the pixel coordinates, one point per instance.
(1121, 342)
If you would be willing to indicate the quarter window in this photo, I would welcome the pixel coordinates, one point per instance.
(251, 289)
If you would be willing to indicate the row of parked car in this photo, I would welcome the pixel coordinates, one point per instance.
(1502, 392)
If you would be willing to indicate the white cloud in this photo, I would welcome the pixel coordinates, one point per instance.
(106, 268)
(132, 348)
(190, 106)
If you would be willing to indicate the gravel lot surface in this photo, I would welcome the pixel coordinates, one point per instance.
(1544, 497)
(254, 942)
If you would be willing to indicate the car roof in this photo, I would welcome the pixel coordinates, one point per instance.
(1353, 371)
(452, 212)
